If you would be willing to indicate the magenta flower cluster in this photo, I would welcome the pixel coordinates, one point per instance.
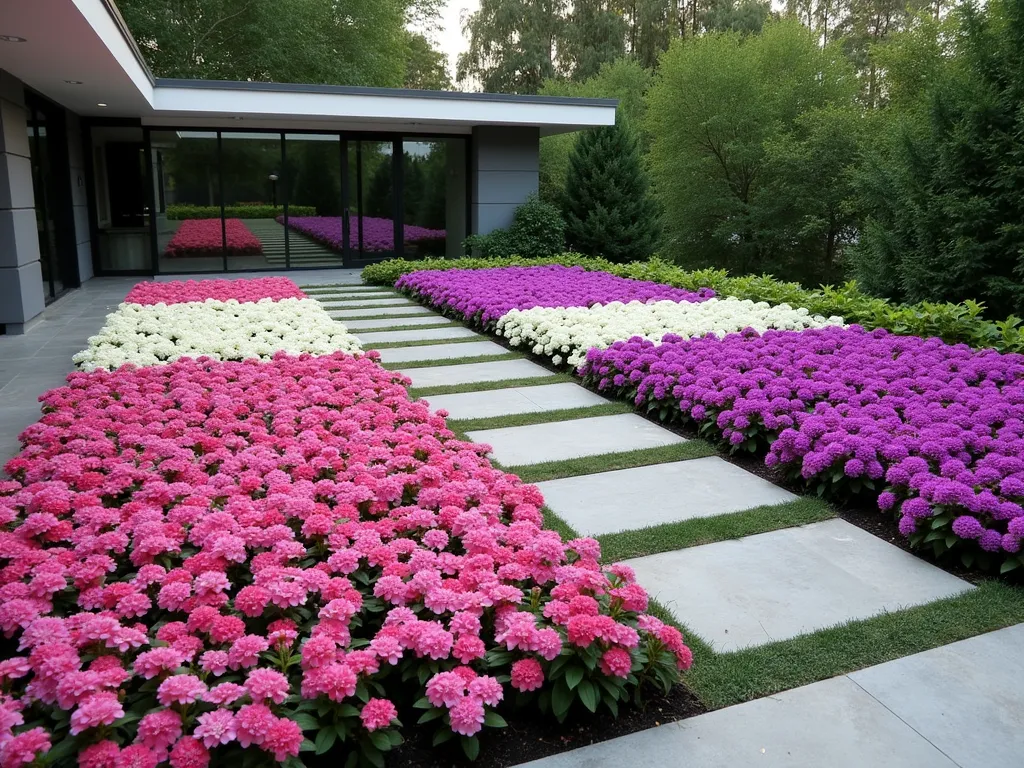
(206, 237)
(487, 294)
(181, 291)
(209, 555)
(378, 233)
(941, 427)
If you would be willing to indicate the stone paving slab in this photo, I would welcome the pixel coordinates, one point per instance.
(536, 443)
(472, 373)
(441, 352)
(628, 499)
(354, 298)
(385, 322)
(507, 402)
(831, 724)
(412, 309)
(368, 302)
(966, 698)
(777, 585)
(426, 334)
(340, 288)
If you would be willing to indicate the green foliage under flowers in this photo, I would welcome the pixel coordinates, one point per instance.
(955, 323)
(537, 231)
(178, 212)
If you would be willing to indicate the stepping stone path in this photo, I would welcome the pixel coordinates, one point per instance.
(514, 446)
(628, 499)
(956, 706)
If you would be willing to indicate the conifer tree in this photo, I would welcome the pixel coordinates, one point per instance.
(607, 206)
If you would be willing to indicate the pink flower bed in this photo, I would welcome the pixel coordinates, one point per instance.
(204, 557)
(203, 237)
(181, 291)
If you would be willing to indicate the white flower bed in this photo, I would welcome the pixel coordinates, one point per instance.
(566, 333)
(224, 330)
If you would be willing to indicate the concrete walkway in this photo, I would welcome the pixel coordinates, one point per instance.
(927, 710)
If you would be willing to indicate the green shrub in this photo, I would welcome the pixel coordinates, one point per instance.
(240, 211)
(537, 231)
(954, 323)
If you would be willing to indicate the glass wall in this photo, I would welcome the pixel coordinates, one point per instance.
(254, 194)
(313, 171)
(187, 188)
(434, 197)
(249, 200)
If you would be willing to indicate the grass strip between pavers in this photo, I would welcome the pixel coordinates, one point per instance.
(342, 307)
(606, 462)
(488, 386)
(707, 530)
(724, 679)
(538, 417)
(450, 361)
(388, 328)
(420, 342)
(381, 316)
(323, 298)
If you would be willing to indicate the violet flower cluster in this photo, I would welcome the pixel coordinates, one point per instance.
(487, 294)
(378, 233)
(941, 425)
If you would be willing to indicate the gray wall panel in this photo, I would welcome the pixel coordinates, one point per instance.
(505, 166)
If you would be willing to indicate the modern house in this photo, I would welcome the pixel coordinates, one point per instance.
(106, 170)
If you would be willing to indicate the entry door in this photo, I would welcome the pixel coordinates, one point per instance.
(372, 230)
(125, 163)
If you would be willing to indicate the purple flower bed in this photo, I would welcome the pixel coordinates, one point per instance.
(378, 233)
(487, 294)
(938, 429)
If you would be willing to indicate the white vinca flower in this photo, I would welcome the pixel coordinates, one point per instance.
(155, 334)
(566, 333)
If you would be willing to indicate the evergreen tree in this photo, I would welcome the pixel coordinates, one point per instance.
(608, 209)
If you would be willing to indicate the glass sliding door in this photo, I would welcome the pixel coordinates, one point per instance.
(187, 185)
(51, 189)
(313, 214)
(433, 197)
(373, 222)
(254, 182)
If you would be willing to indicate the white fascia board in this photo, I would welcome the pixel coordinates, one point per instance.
(199, 102)
(99, 18)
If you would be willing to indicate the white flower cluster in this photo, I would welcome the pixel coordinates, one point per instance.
(566, 333)
(224, 330)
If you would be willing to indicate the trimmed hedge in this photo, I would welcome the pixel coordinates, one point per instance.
(177, 212)
(954, 323)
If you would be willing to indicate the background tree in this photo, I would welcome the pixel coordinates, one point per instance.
(607, 208)
(426, 68)
(950, 227)
(745, 16)
(718, 105)
(595, 35)
(343, 42)
(624, 80)
(512, 44)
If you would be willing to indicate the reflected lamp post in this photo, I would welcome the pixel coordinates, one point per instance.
(273, 189)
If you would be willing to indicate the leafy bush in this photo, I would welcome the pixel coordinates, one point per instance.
(537, 231)
(240, 211)
(954, 323)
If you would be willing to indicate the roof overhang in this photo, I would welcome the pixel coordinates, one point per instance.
(79, 53)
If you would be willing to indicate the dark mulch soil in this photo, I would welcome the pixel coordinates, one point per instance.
(531, 736)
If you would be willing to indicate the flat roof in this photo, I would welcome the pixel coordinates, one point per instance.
(80, 54)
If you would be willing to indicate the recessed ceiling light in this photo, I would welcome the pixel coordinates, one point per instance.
(12, 39)
(101, 104)
(73, 82)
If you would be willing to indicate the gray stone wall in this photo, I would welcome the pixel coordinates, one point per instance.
(505, 165)
(21, 277)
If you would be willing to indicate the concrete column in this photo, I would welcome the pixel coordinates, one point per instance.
(79, 199)
(505, 164)
(21, 277)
